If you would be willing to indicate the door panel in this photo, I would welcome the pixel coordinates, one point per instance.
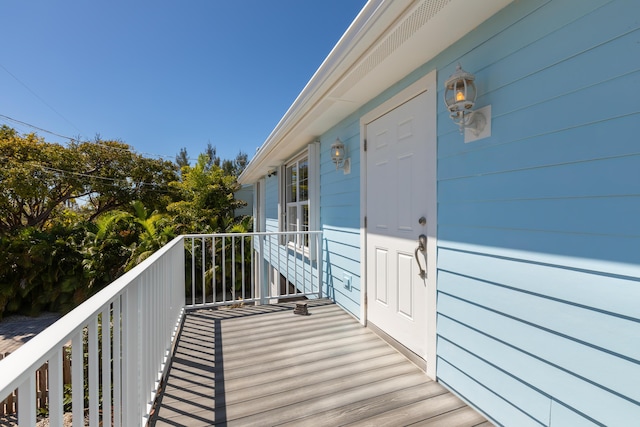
(397, 197)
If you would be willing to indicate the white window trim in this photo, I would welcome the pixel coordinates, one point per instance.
(313, 201)
(259, 205)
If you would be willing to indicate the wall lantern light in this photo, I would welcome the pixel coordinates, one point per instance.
(460, 98)
(338, 156)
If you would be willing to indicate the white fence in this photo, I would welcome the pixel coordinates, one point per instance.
(253, 268)
(123, 335)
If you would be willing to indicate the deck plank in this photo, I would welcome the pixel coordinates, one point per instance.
(266, 366)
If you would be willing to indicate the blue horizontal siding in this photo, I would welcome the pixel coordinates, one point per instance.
(598, 291)
(569, 331)
(612, 254)
(488, 336)
(480, 396)
(340, 216)
(562, 215)
(549, 150)
(531, 403)
(538, 259)
(616, 176)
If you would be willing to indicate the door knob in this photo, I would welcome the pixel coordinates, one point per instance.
(422, 220)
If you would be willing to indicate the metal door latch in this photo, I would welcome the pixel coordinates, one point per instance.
(422, 247)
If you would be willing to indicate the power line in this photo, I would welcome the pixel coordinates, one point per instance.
(160, 156)
(40, 98)
(115, 181)
(35, 127)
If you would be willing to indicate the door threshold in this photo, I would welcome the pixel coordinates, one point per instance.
(413, 358)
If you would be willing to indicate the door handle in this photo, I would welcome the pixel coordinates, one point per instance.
(422, 247)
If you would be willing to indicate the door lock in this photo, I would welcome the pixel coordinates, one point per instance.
(422, 247)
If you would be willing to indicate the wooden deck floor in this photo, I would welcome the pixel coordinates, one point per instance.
(265, 366)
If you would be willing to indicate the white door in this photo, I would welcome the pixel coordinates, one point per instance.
(400, 205)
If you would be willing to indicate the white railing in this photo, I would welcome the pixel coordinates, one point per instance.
(123, 336)
(253, 268)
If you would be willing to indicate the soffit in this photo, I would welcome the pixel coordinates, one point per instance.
(387, 40)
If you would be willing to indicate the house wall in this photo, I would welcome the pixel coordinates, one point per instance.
(340, 217)
(246, 195)
(539, 237)
(538, 225)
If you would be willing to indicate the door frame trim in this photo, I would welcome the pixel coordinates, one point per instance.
(427, 83)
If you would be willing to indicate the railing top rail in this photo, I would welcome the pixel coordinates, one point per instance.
(40, 348)
(252, 233)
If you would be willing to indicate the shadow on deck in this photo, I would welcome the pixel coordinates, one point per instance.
(265, 366)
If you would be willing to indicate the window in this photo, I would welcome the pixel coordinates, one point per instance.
(297, 200)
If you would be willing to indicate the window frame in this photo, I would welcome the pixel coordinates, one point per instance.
(312, 202)
(298, 201)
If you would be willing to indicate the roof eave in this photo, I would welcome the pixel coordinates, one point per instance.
(363, 59)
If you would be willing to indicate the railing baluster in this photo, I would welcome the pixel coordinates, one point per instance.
(106, 366)
(213, 268)
(117, 363)
(193, 272)
(27, 401)
(77, 376)
(267, 285)
(261, 273)
(204, 269)
(224, 271)
(94, 386)
(252, 284)
(291, 274)
(233, 268)
(56, 393)
(242, 258)
(319, 263)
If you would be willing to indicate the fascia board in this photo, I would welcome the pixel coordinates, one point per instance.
(372, 20)
(344, 81)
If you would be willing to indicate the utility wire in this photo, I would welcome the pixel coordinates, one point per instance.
(35, 127)
(115, 181)
(160, 156)
(40, 98)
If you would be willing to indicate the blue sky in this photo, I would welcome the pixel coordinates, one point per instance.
(161, 75)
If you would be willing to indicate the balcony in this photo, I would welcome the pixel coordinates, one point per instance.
(203, 333)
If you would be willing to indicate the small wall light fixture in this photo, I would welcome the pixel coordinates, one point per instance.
(460, 98)
(338, 156)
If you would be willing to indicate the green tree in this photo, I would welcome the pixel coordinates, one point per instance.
(236, 166)
(206, 198)
(41, 270)
(155, 230)
(41, 179)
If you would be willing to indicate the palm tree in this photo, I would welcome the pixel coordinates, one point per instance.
(155, 231)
